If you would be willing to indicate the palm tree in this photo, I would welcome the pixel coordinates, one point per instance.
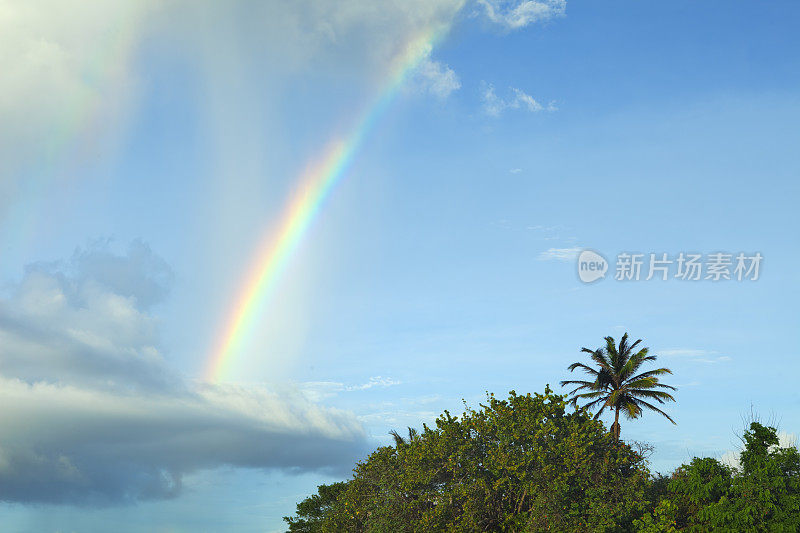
(615, 383)
(413, 436)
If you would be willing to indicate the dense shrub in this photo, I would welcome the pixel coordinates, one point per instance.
(527, 463)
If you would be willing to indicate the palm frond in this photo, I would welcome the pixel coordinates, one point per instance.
(398, 440)
(648, 385)
(616, 397)
(635, 361)
(651, 373)
(654, 408)
(665, 386)
(582, 383)
(660, 396)
(585, 368)
(595, 394)
(600, 411)
(647, 382)
(631, 410)
(644, 383)
(599, 357)
(634, 345)
(613, 354)
(623, 343)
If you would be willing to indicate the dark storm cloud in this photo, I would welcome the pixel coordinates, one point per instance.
(68, 445)
(91, 414)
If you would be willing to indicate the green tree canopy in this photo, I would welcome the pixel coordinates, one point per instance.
(530, 464)
(525, 463)
(762, 495)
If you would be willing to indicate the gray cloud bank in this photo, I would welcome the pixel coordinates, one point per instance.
(90, 413)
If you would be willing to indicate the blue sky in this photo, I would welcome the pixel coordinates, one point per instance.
(147, 148)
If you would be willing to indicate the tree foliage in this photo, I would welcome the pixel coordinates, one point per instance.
(762, 495)
(313, 511)
(529, 464)
(525, 463)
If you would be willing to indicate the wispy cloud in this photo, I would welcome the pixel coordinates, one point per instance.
(695, 355)
(376, 381)
(318, 390)
(436, 78)
(551, 233)
(720, 359)
(494, 106)
(560, 254)
(685, 352)
(515, 14)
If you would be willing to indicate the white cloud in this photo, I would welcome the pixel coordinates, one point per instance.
(400, 418)
(515, 170)
(730, 458)
(685, 352)
(437, 78)
(318, 390)
(71, 69)
(712, 360)
(66, 68)
(697, 356)
(85, 321)
(90, 412)
(375, 381)
(560, 254)
(551, 233)
(494, 106)
(786, 439)
(515, 14)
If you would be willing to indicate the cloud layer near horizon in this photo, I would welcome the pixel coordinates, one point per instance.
(91, 413)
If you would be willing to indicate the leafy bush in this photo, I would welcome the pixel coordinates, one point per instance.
(706, 495)
(527, 464)
(520, 464)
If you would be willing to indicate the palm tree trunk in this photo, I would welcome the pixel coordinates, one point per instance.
(615, 428)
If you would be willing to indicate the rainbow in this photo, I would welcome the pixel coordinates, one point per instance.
(315, 186)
